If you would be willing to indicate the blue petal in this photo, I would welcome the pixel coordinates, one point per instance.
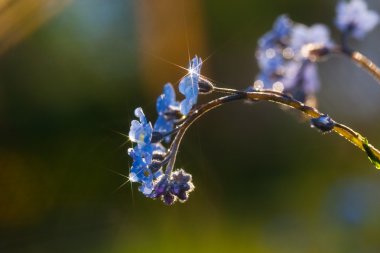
(140, 132)
(162, 125)
(185, 106)
(166, 100)
(140, 114)
(189, 86)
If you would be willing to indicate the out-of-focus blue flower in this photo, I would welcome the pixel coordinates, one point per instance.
(353, 202)
(167, 106)
(355, 18)
(302, 36)
(300, 79)
(271, 46)
(188, 86)
(284, 61)
(176, 187)
(279, 33)
(140, 131)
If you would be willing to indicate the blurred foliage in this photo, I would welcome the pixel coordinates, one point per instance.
(265, 181)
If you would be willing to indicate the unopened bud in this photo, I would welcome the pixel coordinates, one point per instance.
(323, 123)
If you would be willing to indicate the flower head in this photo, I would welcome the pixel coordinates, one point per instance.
(282, 60)
(142, 170)
(355, 18)
(279, 33)
(188, 86)
(140, 131)
(167, 108)
(176, 187)
(272, 44)
(302, 36)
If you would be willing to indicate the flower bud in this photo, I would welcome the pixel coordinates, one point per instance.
(324, 123)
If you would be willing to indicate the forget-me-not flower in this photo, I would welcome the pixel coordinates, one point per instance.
(282, 60)
(301, 36)
(140, 131)
(142, 154)
(188, 86)
(355, 18)
(141, 170)
(166, 106)
(271, 46)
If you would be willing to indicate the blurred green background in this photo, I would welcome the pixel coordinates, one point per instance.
(265, 181)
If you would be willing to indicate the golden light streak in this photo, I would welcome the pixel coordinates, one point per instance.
(20, 18)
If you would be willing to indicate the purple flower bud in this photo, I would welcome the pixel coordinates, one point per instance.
(168, 199)
(160, 187)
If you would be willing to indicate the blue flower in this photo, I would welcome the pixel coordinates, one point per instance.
(142, 154)
(188, 86)
(140, 131)
(301, 79)
(302, 36)
(284, 58)
(141, 170)
(167, 106)
(279, 33)
(355, 18)
(271, 45)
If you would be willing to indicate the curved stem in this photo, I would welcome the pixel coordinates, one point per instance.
(279, 98)
(191, 119)
(366, 63)
(361, 60)
(344, 131)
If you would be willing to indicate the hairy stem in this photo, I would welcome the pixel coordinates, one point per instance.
(279, 98)
(367, 64)
(361, 60)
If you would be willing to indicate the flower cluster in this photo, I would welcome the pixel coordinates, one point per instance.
(287, 54)
(149, 154)
(287, 57)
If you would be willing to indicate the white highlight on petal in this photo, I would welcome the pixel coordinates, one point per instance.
(133, 177)
(258, 85)
(288, 53)
(278, 86)
(270, 53)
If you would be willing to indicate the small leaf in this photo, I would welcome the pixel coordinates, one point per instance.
(371, 155)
